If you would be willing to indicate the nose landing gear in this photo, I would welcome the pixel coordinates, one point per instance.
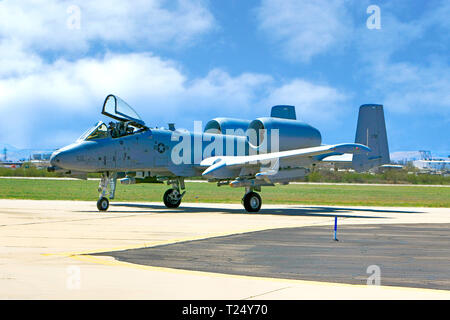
(103, 204)
(107, 180)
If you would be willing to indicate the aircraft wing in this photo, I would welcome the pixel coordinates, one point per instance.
(218, 162)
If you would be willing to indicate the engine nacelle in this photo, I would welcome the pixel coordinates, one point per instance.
(292, 134)
(228, 126)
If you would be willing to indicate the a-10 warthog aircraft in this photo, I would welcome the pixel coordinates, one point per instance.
(239, 153)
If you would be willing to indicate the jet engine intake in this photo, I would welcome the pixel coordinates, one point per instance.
(277, 134)
(229, 126)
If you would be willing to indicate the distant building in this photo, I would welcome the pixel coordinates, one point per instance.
(41, 156)
(11, 164)
(425, 155)
(438, 165)
(430, 164)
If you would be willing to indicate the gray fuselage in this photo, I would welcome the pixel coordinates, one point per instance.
(162, 151)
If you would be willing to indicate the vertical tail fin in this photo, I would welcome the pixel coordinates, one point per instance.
(371, 131)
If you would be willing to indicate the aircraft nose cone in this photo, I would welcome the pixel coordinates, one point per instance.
(63, 158)
(54, 159)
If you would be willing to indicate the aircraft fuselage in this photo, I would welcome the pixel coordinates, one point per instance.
(161, 151)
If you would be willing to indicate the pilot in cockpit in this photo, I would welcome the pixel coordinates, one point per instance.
(129, 129)
(119, 129)
(113, 130)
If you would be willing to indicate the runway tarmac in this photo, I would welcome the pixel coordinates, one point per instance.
(409, 255)
(66, 250)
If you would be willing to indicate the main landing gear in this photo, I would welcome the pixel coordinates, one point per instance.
(172, 197)
(251, 200)
(108, 180)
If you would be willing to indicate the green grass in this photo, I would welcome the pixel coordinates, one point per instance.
(208, 192)
(409, 175)
(28, 170)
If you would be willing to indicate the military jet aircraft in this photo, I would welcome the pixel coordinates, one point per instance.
(235, 152)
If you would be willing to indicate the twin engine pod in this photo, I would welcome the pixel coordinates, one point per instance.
(286, 133)
(279, 132)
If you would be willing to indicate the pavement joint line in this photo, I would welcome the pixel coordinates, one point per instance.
(64, 221)
(264, 293)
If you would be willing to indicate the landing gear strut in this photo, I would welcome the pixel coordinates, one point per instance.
(172, 197)
(107, 180)
(251, 200)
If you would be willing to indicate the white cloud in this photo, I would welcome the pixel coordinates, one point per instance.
(51, 89)
(66, 97)
(232, 96)
(51, 101)
(404, 84)
(15, 61)
(375, 45)
(315, 103)
(439, 15)
(63, 94)
(305, 28)
(53, 77)
(44, 25)
(408, 88)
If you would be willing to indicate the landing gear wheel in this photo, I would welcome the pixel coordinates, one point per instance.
(103, 204)
(172, 198)
(252, 202)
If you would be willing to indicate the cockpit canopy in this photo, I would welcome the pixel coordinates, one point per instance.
(113, 130)
(118, 109)
(99, 131)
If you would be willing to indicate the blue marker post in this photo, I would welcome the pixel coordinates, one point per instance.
(335, 229)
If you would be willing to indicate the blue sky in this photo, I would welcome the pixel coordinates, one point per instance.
(180, 61)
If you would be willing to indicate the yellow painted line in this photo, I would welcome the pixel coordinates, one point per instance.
(111, 262)
(86, 256)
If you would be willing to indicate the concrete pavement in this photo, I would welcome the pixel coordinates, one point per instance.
(46, 250)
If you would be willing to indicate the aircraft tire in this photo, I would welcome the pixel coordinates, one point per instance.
(169, 201)
(103, 204)
(252, 202)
